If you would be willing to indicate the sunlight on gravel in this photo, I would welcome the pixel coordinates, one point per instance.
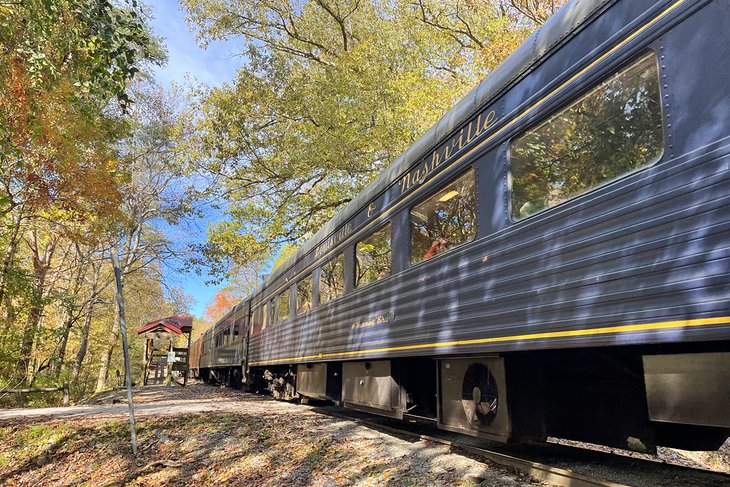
(255, 442)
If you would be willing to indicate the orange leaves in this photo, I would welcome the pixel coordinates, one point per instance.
(56, 152)
(222, 302)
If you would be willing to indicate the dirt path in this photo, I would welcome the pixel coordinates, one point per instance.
(164, 405)
(204, 435)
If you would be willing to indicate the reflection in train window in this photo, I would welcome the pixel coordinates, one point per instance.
(237, 323)
(304, 295)
(256, 320)
(266, 314)
(612, 130)
(445, 220)
(332, 279)
(282, 307)
(372, 257)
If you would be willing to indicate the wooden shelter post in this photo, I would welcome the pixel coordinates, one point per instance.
(187, 369)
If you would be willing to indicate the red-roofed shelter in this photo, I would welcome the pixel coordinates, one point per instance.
(160, 354)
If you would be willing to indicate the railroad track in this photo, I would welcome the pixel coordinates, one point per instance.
(615, 470)
(536, 470)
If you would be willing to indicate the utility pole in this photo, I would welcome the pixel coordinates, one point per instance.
(125, 347)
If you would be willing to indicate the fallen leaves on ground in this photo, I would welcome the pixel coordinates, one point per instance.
(262, 443)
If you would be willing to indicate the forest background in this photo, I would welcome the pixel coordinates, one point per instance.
(96, 155)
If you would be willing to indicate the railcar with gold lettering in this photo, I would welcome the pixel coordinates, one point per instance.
(550, 259)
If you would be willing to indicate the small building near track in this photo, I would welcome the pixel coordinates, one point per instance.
(161, 357)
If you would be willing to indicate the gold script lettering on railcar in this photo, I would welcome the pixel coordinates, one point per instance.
(333, 240)
(371, 209)
(448, 150)
(383, 319)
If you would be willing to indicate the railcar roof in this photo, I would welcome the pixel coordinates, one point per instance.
(567, 20)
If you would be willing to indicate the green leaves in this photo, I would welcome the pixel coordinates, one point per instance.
(94, 44)
(329, 93)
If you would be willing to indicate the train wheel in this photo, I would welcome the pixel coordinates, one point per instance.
(236, 379)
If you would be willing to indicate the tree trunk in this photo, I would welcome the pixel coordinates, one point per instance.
(130, 251)
(42, 258)
(8, 260)
(107, 357)
(34, 319)
(81, 354)
(71, 315)
(83, 346)
(68, 323)
(8, 339)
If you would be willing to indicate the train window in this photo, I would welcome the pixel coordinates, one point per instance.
(257, 318)
(282, 307)
(445, 220)
(266, 315)
(372, 257)
(304, 295)
(239, 323)
(252, 323)
(612, 130)
(332, 279)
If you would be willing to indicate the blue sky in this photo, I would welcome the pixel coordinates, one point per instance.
(212, 66)
(215, 65)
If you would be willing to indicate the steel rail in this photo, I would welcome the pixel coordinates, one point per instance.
(538, 471)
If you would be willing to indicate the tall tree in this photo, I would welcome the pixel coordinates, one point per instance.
(329, 93)
(62, 65)
(154, 192)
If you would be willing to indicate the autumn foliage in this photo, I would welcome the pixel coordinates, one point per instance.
(222, 303)
(329, 94)
(66, 71)
(94, 156)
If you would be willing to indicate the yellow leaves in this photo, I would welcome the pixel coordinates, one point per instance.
(112, 165)
(326, 99)
(92, 43)
(284, 254)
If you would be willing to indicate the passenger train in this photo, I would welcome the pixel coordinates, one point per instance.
(551, 259)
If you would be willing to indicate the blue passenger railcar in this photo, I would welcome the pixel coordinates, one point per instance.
(550, 259)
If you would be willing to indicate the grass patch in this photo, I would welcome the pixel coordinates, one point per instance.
(41, 435)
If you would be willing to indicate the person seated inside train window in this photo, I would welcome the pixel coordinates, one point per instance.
(439, 245)
(304, 295)
(304, 307)
(445, 220)
(528, 209)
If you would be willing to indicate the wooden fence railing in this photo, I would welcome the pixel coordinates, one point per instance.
(63, 388)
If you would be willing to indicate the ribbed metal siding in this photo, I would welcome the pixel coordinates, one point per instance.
(652, 247)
